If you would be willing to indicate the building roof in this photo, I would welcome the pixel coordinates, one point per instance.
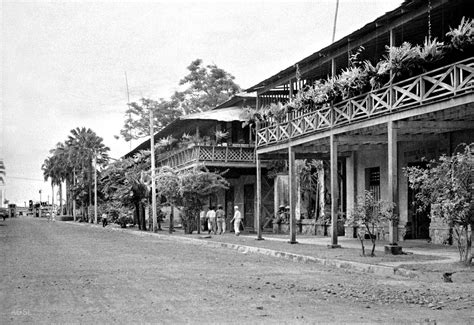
(188, 123)
(227, 114)
(405, 9)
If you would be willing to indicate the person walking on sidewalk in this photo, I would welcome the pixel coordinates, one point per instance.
(237, 219)
(220, 216)
(104, 219)
(211, 220)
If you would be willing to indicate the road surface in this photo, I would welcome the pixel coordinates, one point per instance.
(55, 272)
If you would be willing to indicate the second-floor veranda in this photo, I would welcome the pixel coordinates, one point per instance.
(210, 155)
(452, 84)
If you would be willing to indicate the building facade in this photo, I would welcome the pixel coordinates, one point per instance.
(374, 134)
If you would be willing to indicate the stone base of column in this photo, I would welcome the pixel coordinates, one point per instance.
(393, 249)
(334, 246)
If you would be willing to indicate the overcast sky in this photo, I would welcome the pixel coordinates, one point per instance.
(64, 62)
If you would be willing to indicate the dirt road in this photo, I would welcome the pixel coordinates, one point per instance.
(54, 272)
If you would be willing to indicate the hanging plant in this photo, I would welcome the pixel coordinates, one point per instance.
(378, 75)
(462, 37)
(277, 111)
(220, 136)
(403, 60)
(430, 53)
(353, 81)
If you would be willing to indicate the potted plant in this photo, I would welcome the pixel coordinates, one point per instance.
(220, 136)
(462, 37)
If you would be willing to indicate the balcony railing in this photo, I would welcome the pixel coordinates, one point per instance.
(432, 86)
(225, 155)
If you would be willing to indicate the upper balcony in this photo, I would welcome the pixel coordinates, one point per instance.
(226, 156)
(434, 86)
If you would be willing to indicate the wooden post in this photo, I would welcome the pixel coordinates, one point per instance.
(259, 199)
(334, 191)
(393, 247)
(153, 184)
(95, 188)
(293, 192)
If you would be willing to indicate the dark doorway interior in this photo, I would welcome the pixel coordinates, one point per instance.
(249, 200)
(420, 220)
(229, 207)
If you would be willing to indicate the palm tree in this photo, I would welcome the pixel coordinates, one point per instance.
(83, 146)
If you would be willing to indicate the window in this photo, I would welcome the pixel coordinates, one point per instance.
(373, 181)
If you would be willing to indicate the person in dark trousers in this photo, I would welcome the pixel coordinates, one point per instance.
(104, 219)
(220, 216)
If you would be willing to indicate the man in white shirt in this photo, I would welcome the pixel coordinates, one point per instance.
(237, 219)
(211, 220)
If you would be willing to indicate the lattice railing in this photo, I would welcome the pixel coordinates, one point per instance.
(436, 85)
(207, 153)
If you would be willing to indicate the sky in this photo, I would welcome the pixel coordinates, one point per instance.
(64, 62)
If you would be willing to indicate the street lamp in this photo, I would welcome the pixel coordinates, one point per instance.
(40, 204)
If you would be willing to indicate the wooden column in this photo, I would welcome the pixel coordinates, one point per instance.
(392, 167)
(259, 198)
(293, 193)
(334, 191)
(392, 176)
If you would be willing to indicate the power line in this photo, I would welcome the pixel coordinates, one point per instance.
(26, 178)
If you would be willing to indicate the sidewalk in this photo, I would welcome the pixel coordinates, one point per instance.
(312, 249)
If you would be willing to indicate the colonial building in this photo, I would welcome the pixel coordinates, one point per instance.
(217, 140)
(372, 135)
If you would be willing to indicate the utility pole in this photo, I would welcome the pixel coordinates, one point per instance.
(153, 184)
(335, 22)
(95, 188)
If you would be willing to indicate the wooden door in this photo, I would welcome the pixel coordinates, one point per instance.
(249, 201)
(229, 208)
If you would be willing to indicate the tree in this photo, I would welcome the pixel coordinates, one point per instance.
(206, 87)
(137, 123)
(369, 215)
(187, 189)
(447, 184)
(128, 181)
(83, 145)
(194, 186)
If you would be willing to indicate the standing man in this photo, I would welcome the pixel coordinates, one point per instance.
(104, 219)
(237, 219)
(211, 220)
(220, 216)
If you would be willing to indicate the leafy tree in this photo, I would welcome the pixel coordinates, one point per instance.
(125, 181)
(195, 185)
(448, 184)
(369, 215)
(137, 123)
(187, 189)
(206, 87)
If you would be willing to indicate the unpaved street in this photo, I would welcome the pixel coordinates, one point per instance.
(55, 272)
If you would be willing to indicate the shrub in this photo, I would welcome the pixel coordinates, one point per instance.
(369, 215)
(448, 184)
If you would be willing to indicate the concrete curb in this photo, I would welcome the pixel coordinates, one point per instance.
(347, 265)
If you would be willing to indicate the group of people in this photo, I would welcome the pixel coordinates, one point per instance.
(215, 220)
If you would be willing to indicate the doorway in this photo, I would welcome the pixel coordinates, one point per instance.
(249, 201)
(229, 207)
(420, 220)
